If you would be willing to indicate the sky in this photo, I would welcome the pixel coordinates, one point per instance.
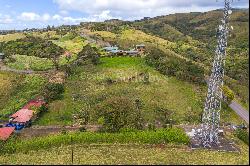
(21, 14)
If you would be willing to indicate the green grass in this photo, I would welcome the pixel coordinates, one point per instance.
(19, 90)
(74, 45)
(23, 62)
(162, 136)
(128, 155)
(9, 82)
(88, 86)
(10, 37)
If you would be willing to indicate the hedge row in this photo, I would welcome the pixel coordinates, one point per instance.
(162, 136)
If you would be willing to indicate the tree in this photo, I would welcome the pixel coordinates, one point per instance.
(118, 113)
(53, 91)
(91, 53)
(53, 52)
(228, 94)
(164, 116)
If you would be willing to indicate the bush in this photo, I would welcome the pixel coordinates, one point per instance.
(163, 136)
(119, 112)
(91, 53)
(169, 64)
(53, 91)
(82, 129)
(242, 135)
(228, 94)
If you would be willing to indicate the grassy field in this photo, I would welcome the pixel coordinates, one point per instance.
(9, 37)
(23, 62)
(16, 90)
(8, 84)
(127, 154)
(88, 86)
(73, 45)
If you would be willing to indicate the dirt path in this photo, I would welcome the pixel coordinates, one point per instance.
(3, 67)
(37, 131)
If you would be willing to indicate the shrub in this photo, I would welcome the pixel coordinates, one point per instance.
(242, 135)
(91, 53)
(82, 129)
(169, 64)
(64, 132)
(53, 91)
(151, 127)
(228, 94)
(119, 112)
(163, 136)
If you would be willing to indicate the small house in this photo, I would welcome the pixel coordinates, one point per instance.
(140, 48)
(109, 49)
(20, 119)
(34, 103)
(5, 132)
(2, 56)
(132, 52)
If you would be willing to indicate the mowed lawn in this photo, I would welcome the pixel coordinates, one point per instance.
(88, 87)
(128, 154)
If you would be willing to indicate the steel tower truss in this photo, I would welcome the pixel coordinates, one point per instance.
(211, 114)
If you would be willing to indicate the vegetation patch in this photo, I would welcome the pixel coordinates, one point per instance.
(28, 87)
(173, 135)
(23, 62)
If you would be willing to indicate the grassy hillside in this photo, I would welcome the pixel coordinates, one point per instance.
(16, 90)
(93, 86)
(201, 27)
(191, 36)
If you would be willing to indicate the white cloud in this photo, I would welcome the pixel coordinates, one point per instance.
(141, 8)
(46, 17)
(29, 16)
(64, 12)
(5, 19)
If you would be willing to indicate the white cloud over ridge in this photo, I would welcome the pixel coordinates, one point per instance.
(139, 8)
(34, 17)
(76, 11)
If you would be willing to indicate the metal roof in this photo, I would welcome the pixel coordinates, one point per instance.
(132, 52)
(140, 45)
(34, 103)
(116, 51)
(110, 48)
(5, 132)
(22, 116)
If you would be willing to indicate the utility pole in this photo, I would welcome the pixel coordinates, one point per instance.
(72, 150)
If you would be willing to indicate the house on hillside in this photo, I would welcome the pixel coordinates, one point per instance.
(2, 56)
(24, 117)
(132, 52)
(109, 49)
(34, 104)
(5, 132)
(20, 119)
(140, 48)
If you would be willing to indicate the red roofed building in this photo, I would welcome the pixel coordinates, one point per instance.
(34, 103)
(22, 116)
(5, 132)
